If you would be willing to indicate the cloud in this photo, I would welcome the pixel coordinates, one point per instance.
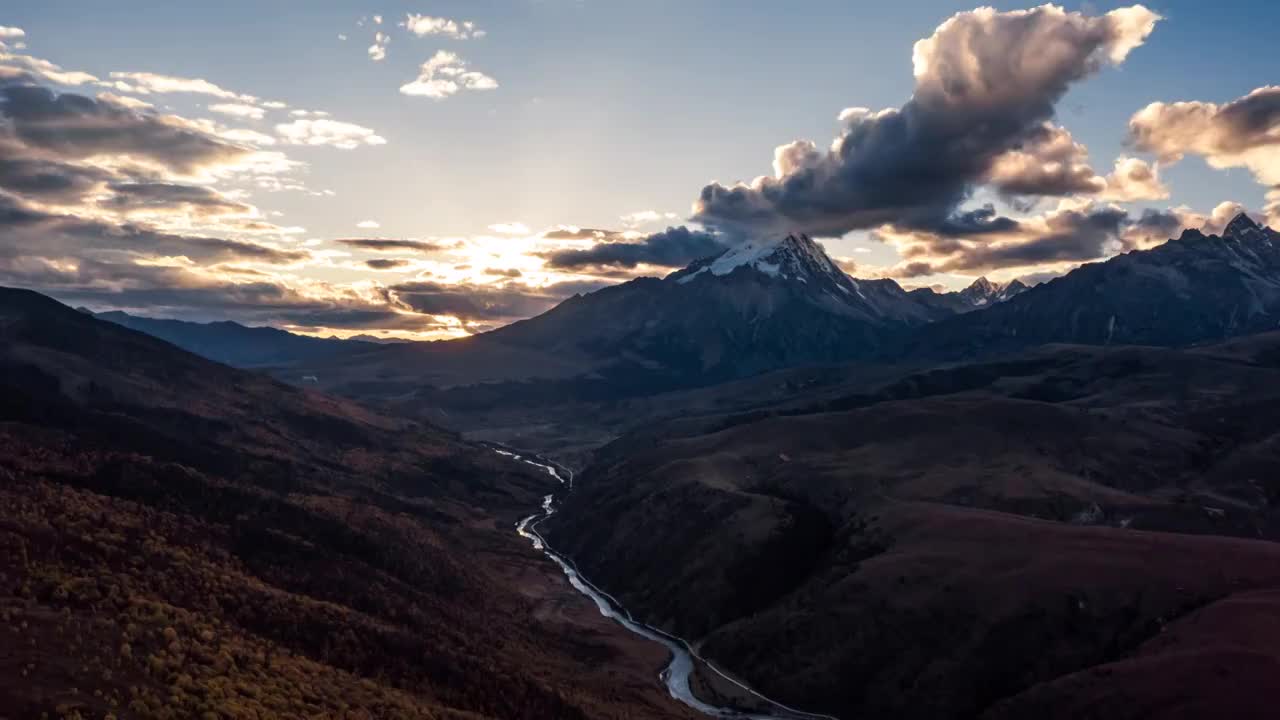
(246, 136)
(11, 33)
(1155, 227)
(146, 83)
(1049, 162)
(125, 101)
(645, 217)
(36, 68)
(369, 224)
(1133, 180)
(423, 25)
(515, 228)
(986, 82)
(106, 202)
(386, 263)
(673, 247)
(570, 232)
(47, 179)
(169, 291)
(1072, 233)
(378, 50)
(172, 198)
(445, 74)
(239, 110)
(1242, 133)
(30, 232)
(390, 245)
(322, 131)
(483, 303)
(75, 127)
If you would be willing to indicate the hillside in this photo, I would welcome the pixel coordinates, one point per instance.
(182, 539)
(955, 537)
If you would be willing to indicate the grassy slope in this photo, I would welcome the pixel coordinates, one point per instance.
(180, 539)
(954, 537)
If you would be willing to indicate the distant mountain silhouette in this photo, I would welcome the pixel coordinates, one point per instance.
(241, 345)
(1193, 289)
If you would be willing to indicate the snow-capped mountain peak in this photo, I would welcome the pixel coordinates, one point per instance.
(1242, 228)
(984, 292)
(794, 257)
(1241, 224)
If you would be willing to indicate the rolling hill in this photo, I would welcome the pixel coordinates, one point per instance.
(988, 537)
(182, 539)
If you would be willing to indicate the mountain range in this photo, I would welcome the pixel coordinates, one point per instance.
(769, 305)
(761, 308)
(1193, 289)
(756, 308)
(241, 345)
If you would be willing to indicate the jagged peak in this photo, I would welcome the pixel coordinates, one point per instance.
(982, 284)
(793, 256)
(1240, 225)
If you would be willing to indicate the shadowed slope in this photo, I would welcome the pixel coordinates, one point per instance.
(181, 539)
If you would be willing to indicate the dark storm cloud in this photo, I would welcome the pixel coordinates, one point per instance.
(390, 245)
(986, 82)
(673, 247)
(75, 127)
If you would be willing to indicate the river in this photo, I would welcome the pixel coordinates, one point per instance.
(684, 658)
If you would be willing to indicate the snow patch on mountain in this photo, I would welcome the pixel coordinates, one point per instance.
(791, 258)
(984, 292)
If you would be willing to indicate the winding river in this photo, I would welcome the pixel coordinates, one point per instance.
(684, 658)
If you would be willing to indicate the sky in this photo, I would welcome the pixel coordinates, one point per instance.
(435, 169)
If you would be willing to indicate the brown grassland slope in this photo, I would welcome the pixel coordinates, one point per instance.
(969, 538)
(183, 540)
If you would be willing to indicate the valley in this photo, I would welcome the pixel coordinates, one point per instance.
(565, 360)
(902, 528)
(181, 538)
